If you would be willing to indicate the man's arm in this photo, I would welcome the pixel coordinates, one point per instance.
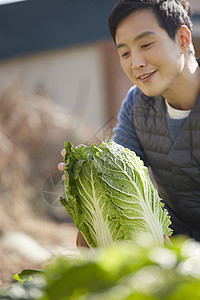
(124, 133)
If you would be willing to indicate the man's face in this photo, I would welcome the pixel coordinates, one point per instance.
(148, 56)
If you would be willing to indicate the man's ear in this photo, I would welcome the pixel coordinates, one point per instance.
(184, 37)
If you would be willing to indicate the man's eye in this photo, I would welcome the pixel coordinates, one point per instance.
(146, 45)
(125, 54)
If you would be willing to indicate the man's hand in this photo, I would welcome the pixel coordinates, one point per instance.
(61, 165)
(80, 241)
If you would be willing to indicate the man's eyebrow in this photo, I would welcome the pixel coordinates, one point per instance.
(143, 34)
(138, 37)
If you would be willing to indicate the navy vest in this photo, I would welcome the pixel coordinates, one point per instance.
(175, 165)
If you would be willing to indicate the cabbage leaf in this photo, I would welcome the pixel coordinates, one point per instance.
(110, 195)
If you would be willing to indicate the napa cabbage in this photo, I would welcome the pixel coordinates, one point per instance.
(110, 196)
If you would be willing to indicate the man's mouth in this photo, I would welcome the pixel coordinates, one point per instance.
(146, 76)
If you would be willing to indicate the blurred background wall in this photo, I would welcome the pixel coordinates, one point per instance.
(62, 49)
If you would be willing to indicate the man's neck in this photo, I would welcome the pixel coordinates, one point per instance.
(184, 92)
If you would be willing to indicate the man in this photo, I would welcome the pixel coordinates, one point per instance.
(160, 116)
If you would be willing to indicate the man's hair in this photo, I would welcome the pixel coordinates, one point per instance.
(170, 14)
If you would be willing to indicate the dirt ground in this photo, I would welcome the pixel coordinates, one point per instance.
(58, 238)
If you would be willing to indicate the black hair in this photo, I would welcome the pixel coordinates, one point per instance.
(170, 14)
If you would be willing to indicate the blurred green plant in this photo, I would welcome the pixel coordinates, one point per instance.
(26, 275)
(125, 272)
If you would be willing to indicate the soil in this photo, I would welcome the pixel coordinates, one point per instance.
(58, 238)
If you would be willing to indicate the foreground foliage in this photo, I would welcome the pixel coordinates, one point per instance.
(124, 272)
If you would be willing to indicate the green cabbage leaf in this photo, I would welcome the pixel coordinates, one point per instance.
(110, 196)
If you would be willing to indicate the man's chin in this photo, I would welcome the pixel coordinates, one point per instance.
(150, 93)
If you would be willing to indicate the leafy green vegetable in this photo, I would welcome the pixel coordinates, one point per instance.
(110, 195)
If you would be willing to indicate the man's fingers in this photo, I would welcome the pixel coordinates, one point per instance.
(63, 152)
(61, 166)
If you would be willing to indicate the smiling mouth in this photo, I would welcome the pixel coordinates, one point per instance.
(146, 76)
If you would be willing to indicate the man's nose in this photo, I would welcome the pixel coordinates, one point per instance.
(138, 60)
